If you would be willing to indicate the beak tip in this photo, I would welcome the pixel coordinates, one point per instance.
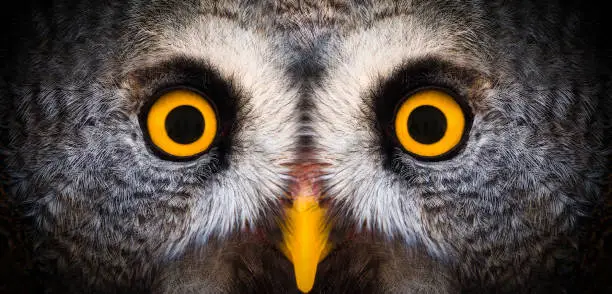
(305, 277)
(305, 287)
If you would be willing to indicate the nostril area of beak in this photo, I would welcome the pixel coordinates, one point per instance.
(306, 179)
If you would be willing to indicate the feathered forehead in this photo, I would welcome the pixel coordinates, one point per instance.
(285, 14)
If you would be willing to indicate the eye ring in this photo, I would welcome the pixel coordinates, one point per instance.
(426, 102)
(196, 105)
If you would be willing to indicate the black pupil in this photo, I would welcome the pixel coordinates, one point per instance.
(184, 124)
(426, 124)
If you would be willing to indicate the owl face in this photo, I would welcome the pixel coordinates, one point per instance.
(147, 141)
(509, 189)
(101, 187)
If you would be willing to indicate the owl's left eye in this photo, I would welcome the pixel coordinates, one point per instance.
(429, 123)
(181, 123)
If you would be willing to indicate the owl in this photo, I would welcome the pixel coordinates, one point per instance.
(304, 145)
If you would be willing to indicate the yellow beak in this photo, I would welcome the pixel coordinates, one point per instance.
(305, 239)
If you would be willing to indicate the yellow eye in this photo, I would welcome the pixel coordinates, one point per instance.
(429, 123)
(182, 123)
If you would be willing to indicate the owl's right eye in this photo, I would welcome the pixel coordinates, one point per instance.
(181, 123)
